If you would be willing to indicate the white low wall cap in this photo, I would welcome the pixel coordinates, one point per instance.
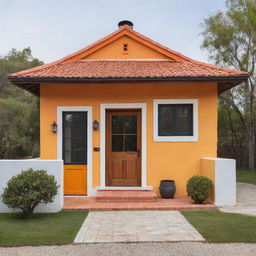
(217, 159)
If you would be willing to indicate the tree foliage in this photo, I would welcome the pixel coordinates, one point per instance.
(28, 189)
(230, 38)
(19, 110)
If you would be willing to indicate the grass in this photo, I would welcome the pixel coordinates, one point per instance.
(41, 229)
(221, 227)
(246, 176)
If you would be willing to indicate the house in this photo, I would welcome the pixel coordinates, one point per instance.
(126, 112)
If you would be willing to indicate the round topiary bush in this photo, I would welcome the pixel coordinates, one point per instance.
(28, 189)
(198, 188)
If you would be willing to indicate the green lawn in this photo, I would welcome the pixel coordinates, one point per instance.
(41, 229)
(246, 176)
(221, 227)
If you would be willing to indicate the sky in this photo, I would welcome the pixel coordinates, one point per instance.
(56, 28)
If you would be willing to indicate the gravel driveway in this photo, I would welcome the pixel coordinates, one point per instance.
(246, 200)
(122, 249)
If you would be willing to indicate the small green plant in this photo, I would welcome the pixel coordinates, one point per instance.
(198, 188)
(28, 189)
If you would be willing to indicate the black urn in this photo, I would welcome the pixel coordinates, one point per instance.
(167, 189)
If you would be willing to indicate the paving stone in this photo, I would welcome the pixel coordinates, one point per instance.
(136, 226)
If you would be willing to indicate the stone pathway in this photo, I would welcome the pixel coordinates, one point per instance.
(246, 200)
(136, 226)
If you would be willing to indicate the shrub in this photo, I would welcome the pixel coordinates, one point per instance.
(198, 188)
(29, 188)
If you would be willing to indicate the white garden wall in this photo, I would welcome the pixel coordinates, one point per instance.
(222, 172)
(10, 168)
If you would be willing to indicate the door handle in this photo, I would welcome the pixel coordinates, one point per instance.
(138, 153)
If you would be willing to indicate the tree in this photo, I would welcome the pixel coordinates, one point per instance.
(230, 38)
(19, 110)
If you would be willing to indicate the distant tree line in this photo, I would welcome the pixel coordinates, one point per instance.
(230, 38)
(19, 110)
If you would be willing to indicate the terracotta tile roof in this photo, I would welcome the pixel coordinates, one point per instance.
(130, 69)
(177, 67)
(124, 29)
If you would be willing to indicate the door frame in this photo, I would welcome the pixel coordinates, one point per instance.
(88, 109)
(103, 108)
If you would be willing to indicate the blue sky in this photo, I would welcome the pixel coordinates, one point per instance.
(55, 28)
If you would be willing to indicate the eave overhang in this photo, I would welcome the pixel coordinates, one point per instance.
(32, 84)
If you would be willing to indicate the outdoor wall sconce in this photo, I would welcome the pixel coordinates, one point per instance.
(95, 125)
(54, 127)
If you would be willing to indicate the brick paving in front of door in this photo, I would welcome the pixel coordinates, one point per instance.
(136, 226)
(132, 203)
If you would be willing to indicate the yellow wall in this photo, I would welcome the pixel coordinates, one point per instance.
(165, 160)
(208, 170)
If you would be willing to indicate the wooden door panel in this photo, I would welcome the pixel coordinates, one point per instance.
(123, 145)
(131, 169)
(117, 169)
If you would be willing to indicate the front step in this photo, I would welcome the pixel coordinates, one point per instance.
(90, 204)
(126, 196)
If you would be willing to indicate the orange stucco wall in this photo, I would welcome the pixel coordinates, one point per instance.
(136, 50)
(208, 170)
(165, 160)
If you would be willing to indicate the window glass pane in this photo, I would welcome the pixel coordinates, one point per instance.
(117, 143)
(117, 124)
(78, 131)
(124, 133)
(67, 156)
(80, 156)
(131, 143)
(124, 124)
(175, 119)
(165, 120)
(79, 144)
(130, 125)
(73, 156)
(75, 137)
(184, 120)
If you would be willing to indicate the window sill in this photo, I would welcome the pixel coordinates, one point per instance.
(176, 138)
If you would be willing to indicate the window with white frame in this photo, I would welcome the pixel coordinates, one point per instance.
(176, 120)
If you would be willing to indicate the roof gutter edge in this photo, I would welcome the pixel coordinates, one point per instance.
(234, 78)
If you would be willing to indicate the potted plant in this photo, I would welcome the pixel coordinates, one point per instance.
(167, 189)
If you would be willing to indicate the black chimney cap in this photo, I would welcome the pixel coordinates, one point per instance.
(125, 22)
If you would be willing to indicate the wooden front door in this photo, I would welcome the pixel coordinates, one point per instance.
(123, 148)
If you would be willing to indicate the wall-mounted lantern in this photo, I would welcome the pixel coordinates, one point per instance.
(54, 127)
(95, 125)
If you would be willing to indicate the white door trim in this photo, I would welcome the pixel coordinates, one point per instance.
(87, 109)
(103, 108)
